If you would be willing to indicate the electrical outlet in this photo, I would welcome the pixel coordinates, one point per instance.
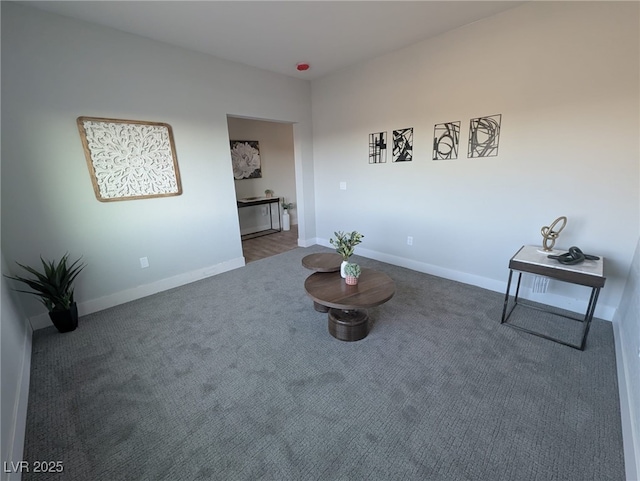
(343, 186)
(144, 262)
(409, 240)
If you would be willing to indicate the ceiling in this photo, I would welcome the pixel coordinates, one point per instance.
(276, 36)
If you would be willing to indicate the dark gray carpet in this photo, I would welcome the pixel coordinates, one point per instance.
(237, 378)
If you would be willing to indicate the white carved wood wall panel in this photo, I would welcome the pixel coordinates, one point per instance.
(130, 159)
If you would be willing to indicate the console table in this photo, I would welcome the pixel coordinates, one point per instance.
(589, 273)
(253, 201)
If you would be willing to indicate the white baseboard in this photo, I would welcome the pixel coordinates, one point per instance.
(307, 242)
(579, 306)
(95, 305)
(19, 428)
(628, 412)
(434, 270)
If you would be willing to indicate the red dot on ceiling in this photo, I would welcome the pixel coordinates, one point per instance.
(302, 67)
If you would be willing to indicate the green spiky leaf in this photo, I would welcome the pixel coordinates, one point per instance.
(54, 284)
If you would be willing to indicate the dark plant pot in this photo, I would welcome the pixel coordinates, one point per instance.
(65, 321)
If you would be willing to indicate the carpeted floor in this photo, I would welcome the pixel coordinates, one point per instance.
(236, 377)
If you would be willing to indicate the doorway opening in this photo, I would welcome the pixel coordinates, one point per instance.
(264, 170)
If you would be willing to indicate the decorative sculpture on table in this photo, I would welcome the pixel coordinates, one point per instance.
(549, 234)
(574, 256)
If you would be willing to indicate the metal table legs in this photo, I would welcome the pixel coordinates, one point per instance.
(586, 321)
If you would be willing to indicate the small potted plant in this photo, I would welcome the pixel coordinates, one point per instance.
(54, 286)
(268, 193)
(345, 244)
(352, 272)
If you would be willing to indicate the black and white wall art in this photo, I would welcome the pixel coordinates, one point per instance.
(245, 157)
(446, 140)
(378, 148)
(403, 145)
(484, 134)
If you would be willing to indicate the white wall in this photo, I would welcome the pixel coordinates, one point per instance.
(16, 361)
(627, 329)
(564, 76)
(55, 69)
(278, 167)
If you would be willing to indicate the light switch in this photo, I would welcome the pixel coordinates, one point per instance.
(343, 186)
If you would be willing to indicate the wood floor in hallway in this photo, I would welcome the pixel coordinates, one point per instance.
(270, 245)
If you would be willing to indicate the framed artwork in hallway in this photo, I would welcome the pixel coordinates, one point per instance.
(245, 157)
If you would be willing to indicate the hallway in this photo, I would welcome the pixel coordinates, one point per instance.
(270, 245)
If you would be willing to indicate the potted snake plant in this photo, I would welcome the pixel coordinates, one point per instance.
(54, 286)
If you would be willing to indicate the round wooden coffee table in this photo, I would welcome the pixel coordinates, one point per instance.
(348, 319)
(322, 262)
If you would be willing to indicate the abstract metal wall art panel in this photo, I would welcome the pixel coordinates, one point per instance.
(378, 148)
(130, 159)
(245, 157)
(484, 134)
(446, 140)
(403, 145)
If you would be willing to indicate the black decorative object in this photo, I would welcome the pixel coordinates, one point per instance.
(446, 139)
(403, 145)
(65, 321)
(378, 148)
(484, 134)
(574, 256)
